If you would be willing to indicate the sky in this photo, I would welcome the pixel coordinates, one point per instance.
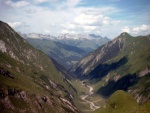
(55, 17)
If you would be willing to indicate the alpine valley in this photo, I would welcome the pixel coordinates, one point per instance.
(121, 64)
(111, 77)
(66, 49)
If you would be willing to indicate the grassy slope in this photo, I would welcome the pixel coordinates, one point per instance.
(32, 71)
(136, 52)
(122, 102)
(64, 54)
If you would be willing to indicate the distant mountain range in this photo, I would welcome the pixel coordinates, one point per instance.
(66, 49)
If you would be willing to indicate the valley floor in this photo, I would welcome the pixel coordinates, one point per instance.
(89, 101)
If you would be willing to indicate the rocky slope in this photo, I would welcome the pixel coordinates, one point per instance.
(122, 63)
(100, 55)
(29, 81)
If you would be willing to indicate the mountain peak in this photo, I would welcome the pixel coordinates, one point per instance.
(95, 36)
(124, 35)
(80, 36)
(62, 36)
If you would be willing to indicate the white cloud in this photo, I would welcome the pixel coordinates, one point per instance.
(141, 29)
(72, 3)
(68, 31)
(71, 26)
(126, 29)
(84, 19)
(16, 4)
(95, 17)
(144, 27)
(64, 18)
(46, 31)
(136, 29)
(106, 21)
(89, 28)
(14, 24)
(41, 1)
(48, 1)
(89, 20)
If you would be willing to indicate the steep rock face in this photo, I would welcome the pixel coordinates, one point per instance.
(29, 81)
(101, 55)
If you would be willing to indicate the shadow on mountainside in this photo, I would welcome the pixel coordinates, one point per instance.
(103, 69)
(122, 84)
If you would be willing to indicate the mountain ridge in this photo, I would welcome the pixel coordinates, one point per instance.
(62, 36)
(118, 65)
(92, 55)
(30, 82)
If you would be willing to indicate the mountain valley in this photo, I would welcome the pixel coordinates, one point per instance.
(121, 64)
(66, 49)
(105, 77)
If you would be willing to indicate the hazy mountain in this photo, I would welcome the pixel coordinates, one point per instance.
(65, 55)
(88, 42)
(67, 49)
(37, 36)
(29, 81)
(123, 63)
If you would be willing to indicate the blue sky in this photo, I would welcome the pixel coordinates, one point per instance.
(55, 17)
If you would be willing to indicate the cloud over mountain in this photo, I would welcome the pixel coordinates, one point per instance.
(107, 18)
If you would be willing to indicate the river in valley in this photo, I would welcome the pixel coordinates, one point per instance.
(84, 97)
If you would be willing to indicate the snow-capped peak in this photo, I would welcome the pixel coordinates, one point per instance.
(68, 36)
(79, 36)
(38, 36)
